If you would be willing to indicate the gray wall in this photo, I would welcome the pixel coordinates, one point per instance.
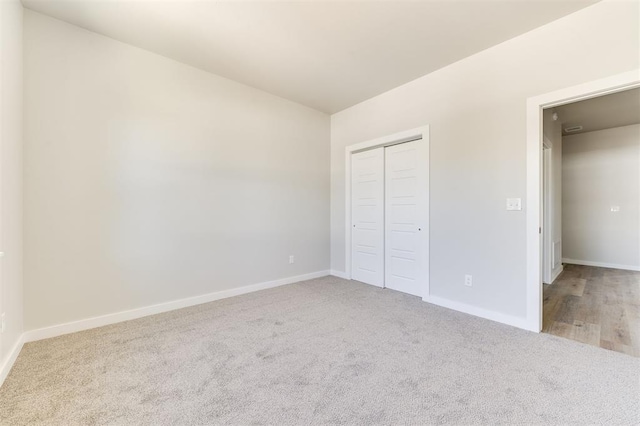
(600, 170)
(477, 112)
(149, 181)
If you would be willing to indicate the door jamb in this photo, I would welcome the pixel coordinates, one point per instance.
(547, 209)
(535, 105)
(419, 133)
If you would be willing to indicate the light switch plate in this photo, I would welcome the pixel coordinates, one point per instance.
(514, 204)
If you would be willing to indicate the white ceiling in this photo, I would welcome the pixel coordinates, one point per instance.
(328, 55)
(603, 112)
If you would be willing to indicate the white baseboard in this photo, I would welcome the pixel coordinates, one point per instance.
(339, 274)
(556, 273)
(11, 359)
(479, 312)
(89, 323)
(601, 264)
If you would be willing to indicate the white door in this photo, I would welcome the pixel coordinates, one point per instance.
(546, 216)
(367, 216)
(406, 218)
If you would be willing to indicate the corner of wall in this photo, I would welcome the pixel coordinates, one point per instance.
(11, 188)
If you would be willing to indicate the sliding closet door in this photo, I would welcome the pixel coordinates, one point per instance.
(367, 216)
(406, 215)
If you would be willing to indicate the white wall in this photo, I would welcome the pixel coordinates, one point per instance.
(149, 181)
(477, 112)
(600, 170)
(10, 174)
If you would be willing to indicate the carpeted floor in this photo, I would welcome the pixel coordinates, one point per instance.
(325, 351)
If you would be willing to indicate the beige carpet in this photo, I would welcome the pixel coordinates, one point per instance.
(325, 351)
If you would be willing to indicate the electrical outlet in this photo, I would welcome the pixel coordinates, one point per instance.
(291, 259)
(514, 204)
(3, 326)
(468, 280)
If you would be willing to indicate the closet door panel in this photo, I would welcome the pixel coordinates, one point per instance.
(367, 217)
(406, 195)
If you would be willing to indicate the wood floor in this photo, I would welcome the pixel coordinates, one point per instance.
(597, 306)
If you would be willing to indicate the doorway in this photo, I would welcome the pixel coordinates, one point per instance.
(388, 212)
(534, 220)
(591, 205)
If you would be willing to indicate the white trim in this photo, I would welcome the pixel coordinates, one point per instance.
(406, 136)
(548, 207)
(556, 273)
(601, 264)
(339, 274)
(11, 359)
(86, 324)
(514, 321)
(535, 105)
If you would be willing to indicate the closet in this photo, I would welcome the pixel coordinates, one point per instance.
(389, 217)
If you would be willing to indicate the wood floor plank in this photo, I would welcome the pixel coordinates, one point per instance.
(615, 325)
(586, 333)
(549, 309)
(597, 306)
(567, 309)
(561, 329)
(573, 286)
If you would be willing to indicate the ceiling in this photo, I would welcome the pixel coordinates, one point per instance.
(603, 112)
(328, 55)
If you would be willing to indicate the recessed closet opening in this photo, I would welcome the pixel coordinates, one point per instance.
(387, 209)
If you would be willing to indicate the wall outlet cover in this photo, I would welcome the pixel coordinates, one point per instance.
(468, 280)
(514, 204)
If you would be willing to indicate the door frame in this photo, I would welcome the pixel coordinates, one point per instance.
(547, 209)
(419, 133)
(535, 106)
